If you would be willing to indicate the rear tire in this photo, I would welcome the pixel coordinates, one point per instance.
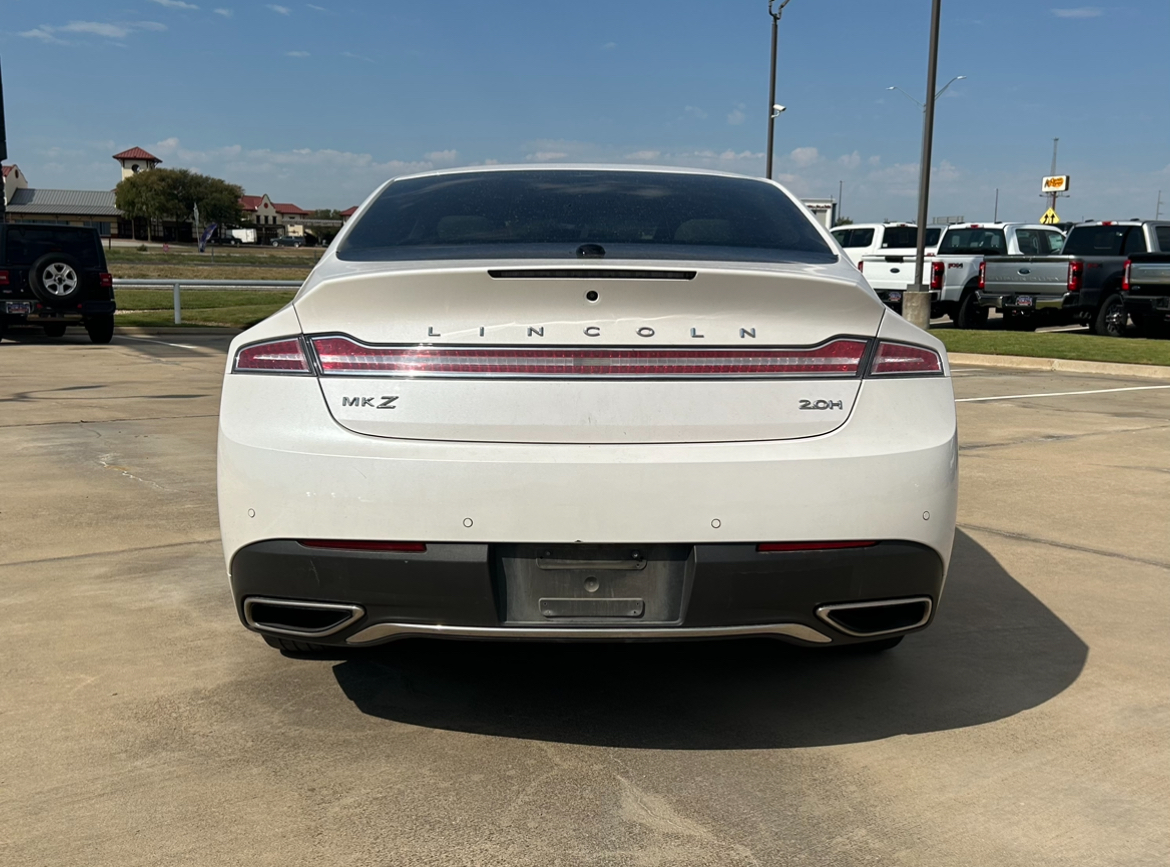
(1111, 317)
(970, 315)
(294, 648)
(100, 327)
(55, 329)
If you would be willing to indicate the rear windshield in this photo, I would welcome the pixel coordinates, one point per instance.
(854, 237)
(964, 242)
(26, 244)
(550, 214)
(1097, 240)
(907, 236)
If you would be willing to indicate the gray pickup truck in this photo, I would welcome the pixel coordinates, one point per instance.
(1145, 286)
(1082, 284)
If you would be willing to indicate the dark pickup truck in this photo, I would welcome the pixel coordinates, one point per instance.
(1082, 284)
(55, 276)
(1145, 286)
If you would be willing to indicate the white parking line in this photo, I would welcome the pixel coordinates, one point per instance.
(161, 342)
(1059, 393)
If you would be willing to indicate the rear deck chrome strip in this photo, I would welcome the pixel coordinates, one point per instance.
(379, 631)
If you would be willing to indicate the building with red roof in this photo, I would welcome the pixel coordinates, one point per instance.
(134, 160)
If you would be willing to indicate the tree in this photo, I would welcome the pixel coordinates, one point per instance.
(843, 221)
(171, 194)
(327, 214)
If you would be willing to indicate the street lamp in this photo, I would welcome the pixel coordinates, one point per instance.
(774, 110)
(936, 96)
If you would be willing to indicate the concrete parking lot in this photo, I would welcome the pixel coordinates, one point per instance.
(141, 724)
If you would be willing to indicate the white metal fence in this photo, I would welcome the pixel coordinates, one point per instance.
(177, 287)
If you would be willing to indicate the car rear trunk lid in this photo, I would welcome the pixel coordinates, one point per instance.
(603, 354)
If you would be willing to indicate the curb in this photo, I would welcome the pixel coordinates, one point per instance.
(174, 330)
(1062, 365)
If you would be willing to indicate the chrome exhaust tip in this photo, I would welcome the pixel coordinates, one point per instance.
(298, 619)
(884, 617)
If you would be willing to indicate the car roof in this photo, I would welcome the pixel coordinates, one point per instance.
(579, 167)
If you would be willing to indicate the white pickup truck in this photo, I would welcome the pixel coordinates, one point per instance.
(882, 239)
(952, 271)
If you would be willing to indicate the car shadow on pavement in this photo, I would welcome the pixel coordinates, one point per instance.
(994, 650)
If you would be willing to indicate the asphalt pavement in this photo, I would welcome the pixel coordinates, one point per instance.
(140, 724)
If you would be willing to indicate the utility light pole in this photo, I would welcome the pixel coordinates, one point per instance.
(916, 302)
(3, 148)
(772, 107)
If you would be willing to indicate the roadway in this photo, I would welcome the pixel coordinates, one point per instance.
(142, 725)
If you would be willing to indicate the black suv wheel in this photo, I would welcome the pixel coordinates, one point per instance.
(100, 327)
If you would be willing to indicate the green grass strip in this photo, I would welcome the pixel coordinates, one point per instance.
(1079, 346)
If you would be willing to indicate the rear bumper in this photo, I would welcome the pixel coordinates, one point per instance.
(1039, 302)
(15, 310)
(1147, 304)
(457, 590)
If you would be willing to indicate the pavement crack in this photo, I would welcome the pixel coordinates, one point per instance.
(111, 553)
(1054, 438)
(1084, 549)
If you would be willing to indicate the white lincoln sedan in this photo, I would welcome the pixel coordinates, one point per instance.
(586, 403)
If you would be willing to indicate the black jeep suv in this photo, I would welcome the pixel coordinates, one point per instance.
(55, 276)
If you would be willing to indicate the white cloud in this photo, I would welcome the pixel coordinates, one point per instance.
(226, 13)
(357, 56)
(736, 116)
(445, 158)
(643, 156)
(121, 30)
(546, 156)
(695, 112)
(282, 10)
(44, 34)
(97, 28)
(296, 54)
(850, 161)
(804, 157)
(875, 160)
(175, 4)
(1078, 12)
(609, 46)
(318, 8)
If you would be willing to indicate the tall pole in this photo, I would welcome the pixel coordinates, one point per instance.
(772, 93)
(775, 13)
(995, 219)
(1052, 171)
(917, 310)
(3, 149)
(840, 199)
(1158, 210)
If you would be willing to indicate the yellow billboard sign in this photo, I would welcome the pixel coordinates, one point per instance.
(1054, 184)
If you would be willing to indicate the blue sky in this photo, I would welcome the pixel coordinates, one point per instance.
(318, 103)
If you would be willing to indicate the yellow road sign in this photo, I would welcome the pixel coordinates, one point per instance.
(1050, 218)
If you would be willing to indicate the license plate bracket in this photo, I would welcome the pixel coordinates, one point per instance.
(1024, 301)
(18, 307)
(565, 585)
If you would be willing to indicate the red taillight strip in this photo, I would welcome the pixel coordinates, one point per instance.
(366, 545)
(341, 356)
(905, 358)
(777, 547)
(276, 356)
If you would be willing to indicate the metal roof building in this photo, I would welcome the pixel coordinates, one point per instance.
(63, 204)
